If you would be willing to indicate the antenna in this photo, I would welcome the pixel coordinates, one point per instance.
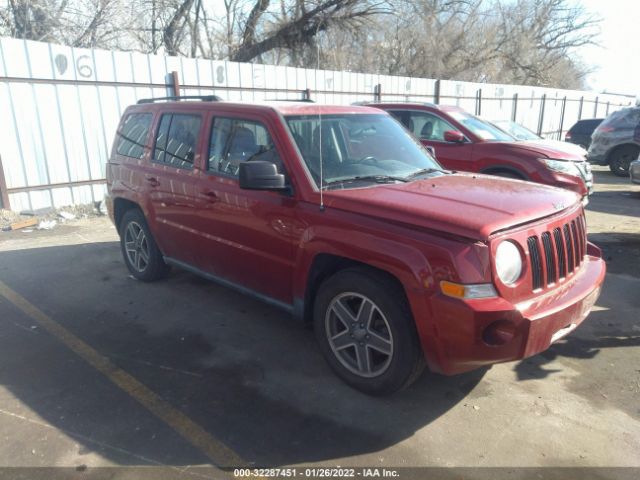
(319, 119)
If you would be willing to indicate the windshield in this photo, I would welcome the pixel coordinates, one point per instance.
(517, 130)
(480, 128)
(362, 147)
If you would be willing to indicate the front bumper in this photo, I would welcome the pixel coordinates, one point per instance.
(532, 326)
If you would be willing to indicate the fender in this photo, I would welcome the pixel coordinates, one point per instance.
(418, 276)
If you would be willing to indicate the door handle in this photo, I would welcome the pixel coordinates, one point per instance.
(153, 181)
(210, 194)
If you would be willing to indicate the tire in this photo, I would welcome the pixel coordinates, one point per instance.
(139, 249)
(505, 174)
(620, 159)
(378, 356)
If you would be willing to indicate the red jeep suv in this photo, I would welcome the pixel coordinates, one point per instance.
(462, 141)
(339, 216)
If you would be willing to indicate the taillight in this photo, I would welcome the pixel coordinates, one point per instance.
(567, 136)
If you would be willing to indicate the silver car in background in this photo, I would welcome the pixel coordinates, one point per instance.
(634, 171)
(616, 141)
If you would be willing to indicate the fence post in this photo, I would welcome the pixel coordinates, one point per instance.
(175, 84)
(4, 194)
(306, 94)
(595, 108)
(543, 101)
(608, 105)
(377, 93)
(580, 108)
(479, 102)
(564, 105)
(436, 92)
(514, 107)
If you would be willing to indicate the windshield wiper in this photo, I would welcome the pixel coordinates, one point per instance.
(424, 171)
(369, 178)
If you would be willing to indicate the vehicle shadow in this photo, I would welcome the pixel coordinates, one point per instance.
(244, 372)
(611, 326)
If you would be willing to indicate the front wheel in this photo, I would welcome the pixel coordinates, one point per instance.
(139, 249)
(621, 160)
(366, 332)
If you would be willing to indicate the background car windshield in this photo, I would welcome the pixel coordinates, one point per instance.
(357, 145)
(517, 130)
(482, 129)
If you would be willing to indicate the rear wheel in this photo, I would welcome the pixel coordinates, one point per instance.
(139, 250)
(621, 158)
(366, 331)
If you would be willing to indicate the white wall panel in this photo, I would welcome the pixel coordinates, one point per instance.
(54, 132)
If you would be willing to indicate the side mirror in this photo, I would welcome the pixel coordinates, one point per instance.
(260, 175)
(453, 136)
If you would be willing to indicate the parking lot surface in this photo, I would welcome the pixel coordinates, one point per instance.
(97, 369)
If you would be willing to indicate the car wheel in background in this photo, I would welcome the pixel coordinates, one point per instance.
(366, 331)
(141, 254)
(621, 158)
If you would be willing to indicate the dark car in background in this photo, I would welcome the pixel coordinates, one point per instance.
(580, 133)
(462, 141)
(616, 141)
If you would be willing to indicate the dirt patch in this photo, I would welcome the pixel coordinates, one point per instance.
(50, 217)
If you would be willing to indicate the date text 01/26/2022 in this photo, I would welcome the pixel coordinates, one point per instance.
(321, 472)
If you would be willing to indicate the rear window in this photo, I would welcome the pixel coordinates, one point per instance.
(176, 140)
(133, 135)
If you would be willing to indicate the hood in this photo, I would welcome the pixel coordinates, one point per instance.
(471, 206)
(551, 149)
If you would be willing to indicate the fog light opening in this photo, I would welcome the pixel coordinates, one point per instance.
(499, 333)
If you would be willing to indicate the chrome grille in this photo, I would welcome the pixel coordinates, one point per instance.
(558, 253)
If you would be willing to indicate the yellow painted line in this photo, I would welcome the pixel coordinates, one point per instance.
(215, 450)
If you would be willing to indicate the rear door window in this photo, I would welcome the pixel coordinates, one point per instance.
(176, 140)
(234, 141)
(424, 125)
(132, 137)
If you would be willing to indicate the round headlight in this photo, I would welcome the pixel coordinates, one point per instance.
(508, 262)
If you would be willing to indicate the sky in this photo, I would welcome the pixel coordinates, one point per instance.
(617, 57)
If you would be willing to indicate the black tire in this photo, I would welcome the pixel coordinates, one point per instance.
(505, 174)
(406, 361)
(621, 158)
(147, 264)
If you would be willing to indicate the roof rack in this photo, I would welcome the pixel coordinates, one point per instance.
(202, 98)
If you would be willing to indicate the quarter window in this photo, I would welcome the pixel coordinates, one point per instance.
(234, 141)
(176, 140)
(133, 135)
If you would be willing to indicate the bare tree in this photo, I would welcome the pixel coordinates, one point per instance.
(298, 29)
(503, 41)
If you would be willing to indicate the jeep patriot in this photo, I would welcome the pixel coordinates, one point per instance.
(339, 216)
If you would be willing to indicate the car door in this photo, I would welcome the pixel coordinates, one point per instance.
(429, 128)
(171, 184)
(246, 236)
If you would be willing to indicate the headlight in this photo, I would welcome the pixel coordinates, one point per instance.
(562, 166)
(508, 262)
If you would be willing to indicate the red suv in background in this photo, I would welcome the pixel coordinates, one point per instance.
(340, 217)
(465, 142)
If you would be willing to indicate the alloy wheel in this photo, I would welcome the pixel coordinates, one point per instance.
(136, 246)
(359, 334)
